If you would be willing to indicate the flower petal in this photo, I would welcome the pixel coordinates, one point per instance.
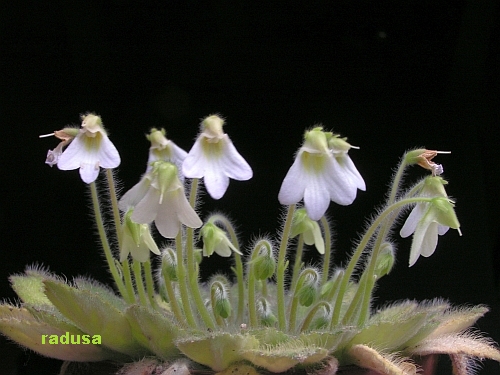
(351, 170)
(140, 253)
(316, 198)
(232, 163)
(195, 163)
(167, 221)
(338, 182)
(216, 181)
(73, 156)
(89, 172)
(132, 197)
(293, 186)
(147, 209)
(413, 218)
(107, 154)
(185, 213)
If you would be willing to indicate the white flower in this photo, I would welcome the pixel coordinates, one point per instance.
(320, 174)
(136, 240)
(428, 220)
(160, 197)
(214, 157)
(90, 150)
(164, 149)
(215, 240)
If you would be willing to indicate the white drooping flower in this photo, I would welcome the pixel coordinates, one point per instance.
(428, 220)
(136, 240)
(90, 150)
(160, 197)
(164, 149)
(322, 172)
(214, 157)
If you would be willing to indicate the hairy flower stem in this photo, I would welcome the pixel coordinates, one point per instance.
(328, 249)
(114, 204)
(139, 283)
(104, 242)
(150, 286)
(360, 249)
(172, 298)
(298, 264)
(191, 265)
(128, 282)
(312, 312)
(238, 270)
(181, 277)
(356, 303)
(280, 272)
(252, 309)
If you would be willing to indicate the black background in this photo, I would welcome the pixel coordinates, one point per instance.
(390, 75)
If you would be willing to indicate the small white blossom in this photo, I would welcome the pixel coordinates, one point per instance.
(89, 150)
(428, 220)
(322, 172)
(214, 157)
(160, 197)
(136, 240)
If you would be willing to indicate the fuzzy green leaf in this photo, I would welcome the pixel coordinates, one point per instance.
(94, 315)
(154, 331)
(29, 287)
(19, 325)
(218, 350)
(284, 356)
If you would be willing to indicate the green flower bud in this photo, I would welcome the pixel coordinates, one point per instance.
(307, 284)
(264, 267)
(307, 295)
(385, 260)
(219, 297)
(267, 318)
(169, 263)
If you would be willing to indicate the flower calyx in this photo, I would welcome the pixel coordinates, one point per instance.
(215, 240)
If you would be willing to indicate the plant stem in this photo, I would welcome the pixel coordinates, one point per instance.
(104, 241)
(114, 204)
(150, 286)
(181, 277)
(328, 249)
(280, 273)
(128, 282)
(172, 298)
(139, 283)
(297, 265)
(312, 312)
(191, 264)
